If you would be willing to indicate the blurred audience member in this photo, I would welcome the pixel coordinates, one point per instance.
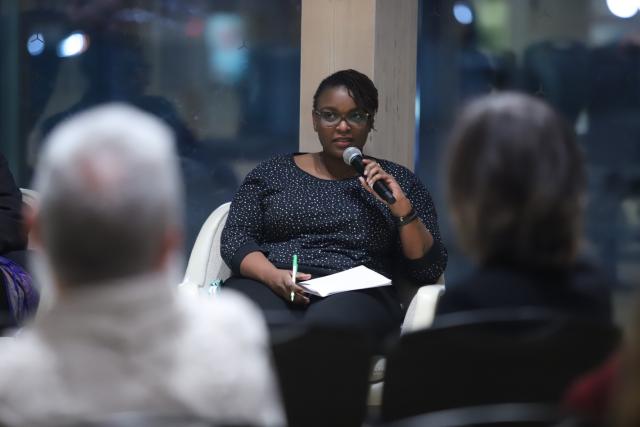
(625, 402)
(18, 296)
(516, 183)
(116, 70)
(588, 400)
(610, 394)
(118, 338)
(558, 72)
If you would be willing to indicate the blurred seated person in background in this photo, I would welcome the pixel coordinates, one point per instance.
(18, 296)
(118, 338)
(589, 398)
(116, 70)
(623, 385)
(314, 205)
(610, 394)
(516, 187)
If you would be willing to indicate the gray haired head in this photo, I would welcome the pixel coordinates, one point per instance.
(110, 192)
(516, 182)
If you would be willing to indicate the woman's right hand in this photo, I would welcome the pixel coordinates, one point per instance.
(256, 266)
(281, 283)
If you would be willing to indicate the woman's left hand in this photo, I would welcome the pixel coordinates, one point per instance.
(374, 172)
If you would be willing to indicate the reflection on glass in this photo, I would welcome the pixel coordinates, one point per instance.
(462, 12)
(223, 75)
(75, 44)
(225, 36)
(623, 8)
(576, 55)
(35, 45)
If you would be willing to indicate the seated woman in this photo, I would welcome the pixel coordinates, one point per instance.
(18, 296)
(315, 206)
(516, 189)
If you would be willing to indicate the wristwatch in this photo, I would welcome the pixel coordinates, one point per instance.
(404, 220)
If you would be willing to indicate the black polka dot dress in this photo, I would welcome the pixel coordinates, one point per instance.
(331, 225)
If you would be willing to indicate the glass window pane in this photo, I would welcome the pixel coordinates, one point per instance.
(583, 57)
(224, 75)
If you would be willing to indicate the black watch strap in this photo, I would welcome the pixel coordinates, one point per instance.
(404, 220)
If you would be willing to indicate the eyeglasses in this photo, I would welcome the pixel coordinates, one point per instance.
(357, 118)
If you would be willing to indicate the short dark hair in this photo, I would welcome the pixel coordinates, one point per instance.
(360, 87)
(516, 182)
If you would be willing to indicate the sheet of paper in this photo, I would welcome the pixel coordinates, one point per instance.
(359, 277)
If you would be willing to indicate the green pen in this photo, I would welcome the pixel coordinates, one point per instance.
(294, 273)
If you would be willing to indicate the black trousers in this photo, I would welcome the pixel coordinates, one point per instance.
(374, 312)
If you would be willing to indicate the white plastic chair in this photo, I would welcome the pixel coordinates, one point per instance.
(30, 200)
(206, 266)
(205, 262)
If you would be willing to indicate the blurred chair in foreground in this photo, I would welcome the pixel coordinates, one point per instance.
(501, 415)
(116, 338)
(482, 358)
(323, 374)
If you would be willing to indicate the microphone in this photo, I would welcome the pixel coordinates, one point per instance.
(353, 157)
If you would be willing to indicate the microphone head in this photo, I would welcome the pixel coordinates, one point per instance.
(349, 153)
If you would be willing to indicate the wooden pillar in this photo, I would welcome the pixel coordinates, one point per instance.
(378, 38)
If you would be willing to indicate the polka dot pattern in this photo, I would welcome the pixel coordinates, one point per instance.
(330, 224)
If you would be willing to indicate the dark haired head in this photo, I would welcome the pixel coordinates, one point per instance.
(516, 181)
(360, 87)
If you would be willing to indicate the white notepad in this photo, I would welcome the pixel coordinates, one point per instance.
(359, 277)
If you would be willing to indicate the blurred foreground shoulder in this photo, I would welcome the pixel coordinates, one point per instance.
(226, 337)
(28, 366)
(230, 311)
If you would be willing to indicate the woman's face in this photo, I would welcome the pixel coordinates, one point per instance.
(352, 127)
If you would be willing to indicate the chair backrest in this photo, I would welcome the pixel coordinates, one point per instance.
(205, 263)
(484, 358)
(501, 415)
(324, 376)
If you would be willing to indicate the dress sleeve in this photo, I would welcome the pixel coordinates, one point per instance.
(430, 267)
(243, 230)
(12, 232)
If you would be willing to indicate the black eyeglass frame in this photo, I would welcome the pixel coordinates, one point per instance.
(342, 117)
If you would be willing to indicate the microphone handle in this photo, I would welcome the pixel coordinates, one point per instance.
(383, 191)
(379, 186)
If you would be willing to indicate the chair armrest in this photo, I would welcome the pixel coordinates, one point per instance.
(30, 204)
(422, 309)
(30, 197)
(205, 263)
(419, 315)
